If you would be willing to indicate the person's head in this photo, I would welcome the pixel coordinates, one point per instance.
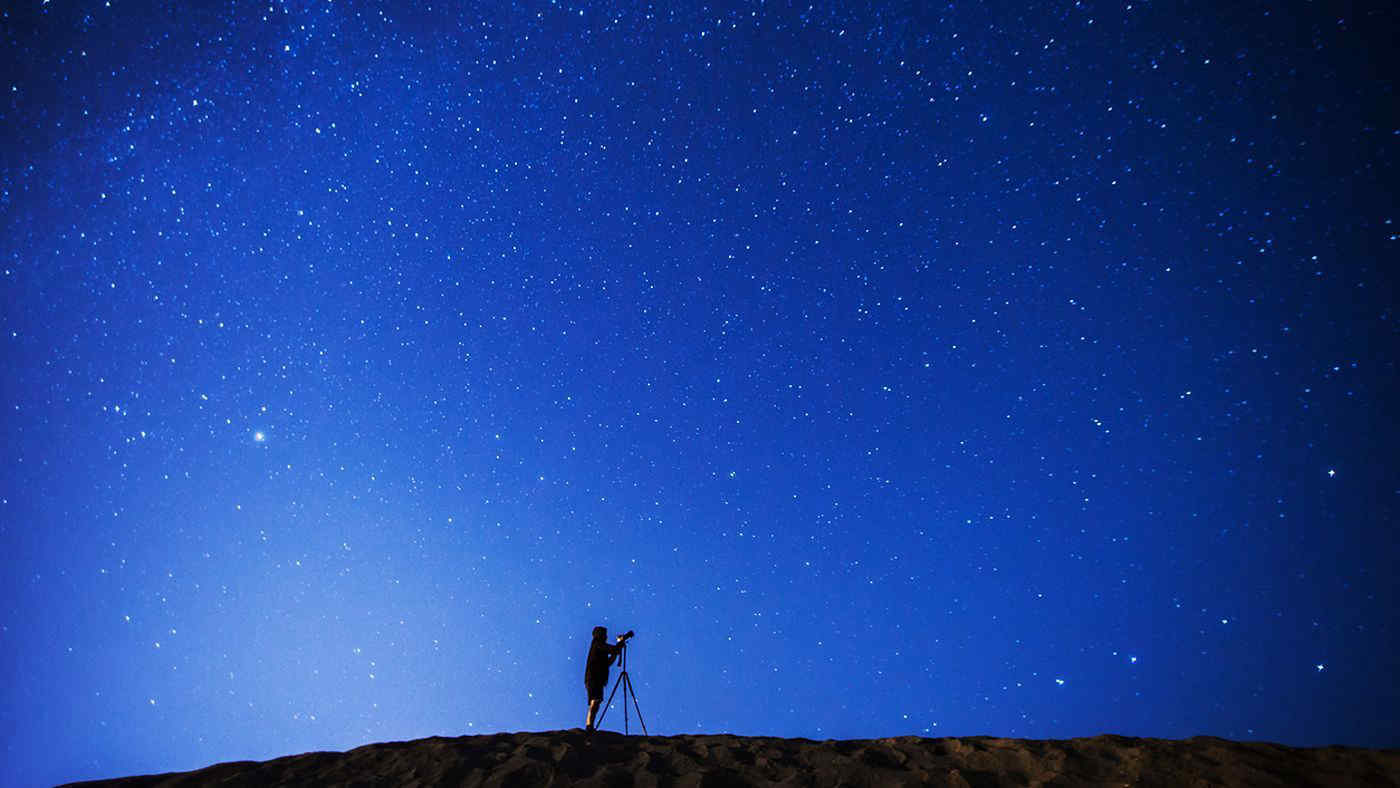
(600, 633)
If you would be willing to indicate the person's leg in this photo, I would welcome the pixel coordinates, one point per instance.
(593, 704)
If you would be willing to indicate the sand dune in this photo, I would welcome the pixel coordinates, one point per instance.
(720, 761)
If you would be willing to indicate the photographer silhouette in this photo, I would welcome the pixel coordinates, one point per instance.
(601, 655)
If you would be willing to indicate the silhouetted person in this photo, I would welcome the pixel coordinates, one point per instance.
(601, 655)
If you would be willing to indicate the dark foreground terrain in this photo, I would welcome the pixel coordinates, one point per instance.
(610, 759)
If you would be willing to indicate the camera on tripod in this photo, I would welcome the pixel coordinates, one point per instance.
(624, 682)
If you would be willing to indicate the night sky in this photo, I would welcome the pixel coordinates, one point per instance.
(1017, 369)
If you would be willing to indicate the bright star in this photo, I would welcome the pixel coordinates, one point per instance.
(259, 436)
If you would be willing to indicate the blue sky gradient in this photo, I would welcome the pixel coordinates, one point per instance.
(896, 368)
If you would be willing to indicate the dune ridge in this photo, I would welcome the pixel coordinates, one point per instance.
(577, 758)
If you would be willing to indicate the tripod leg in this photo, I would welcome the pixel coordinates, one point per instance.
(635, 705)
(598, 723)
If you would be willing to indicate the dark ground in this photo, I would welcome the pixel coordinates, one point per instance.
(608, 759)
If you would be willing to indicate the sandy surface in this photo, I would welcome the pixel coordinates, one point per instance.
(610, 759)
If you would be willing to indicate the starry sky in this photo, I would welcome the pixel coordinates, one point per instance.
(891, 368)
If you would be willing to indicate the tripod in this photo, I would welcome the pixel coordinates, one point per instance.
(625, 682)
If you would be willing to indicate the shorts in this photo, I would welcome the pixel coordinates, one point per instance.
(595, 691)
